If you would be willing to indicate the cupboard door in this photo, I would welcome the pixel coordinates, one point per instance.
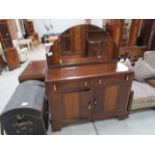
(71, 102)
(123, 96)
(110, 100)
(73, 105)
(116, 97)
(98, 106)
(86, 104)
(112, 94)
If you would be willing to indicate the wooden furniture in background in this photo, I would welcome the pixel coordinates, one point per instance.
(145, 32)
(7, 45)
(50, 39)
(29, 27)
(151, 45)
(88, 92)
(132, 52)
(1, 60)
(1, 64)
(35, 70)
(25, 42)
(117, 26)
(12, 28)
(134, 32)
(140, 35)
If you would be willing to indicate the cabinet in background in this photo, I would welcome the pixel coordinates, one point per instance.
(7, 45)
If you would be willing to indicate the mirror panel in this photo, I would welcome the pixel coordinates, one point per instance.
(83, 41)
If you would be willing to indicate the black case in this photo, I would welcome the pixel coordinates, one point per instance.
(27, 111)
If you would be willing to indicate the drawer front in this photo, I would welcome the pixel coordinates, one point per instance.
(73, 85)
(82, 84)
(117, 79)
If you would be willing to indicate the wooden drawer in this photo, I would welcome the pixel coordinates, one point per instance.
(73, 85)
(114, 79)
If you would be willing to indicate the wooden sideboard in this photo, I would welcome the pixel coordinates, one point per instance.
(88, 92)
(35, 70)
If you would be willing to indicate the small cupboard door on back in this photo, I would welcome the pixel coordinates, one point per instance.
(110, 100)
(71, 102)
(86, 104)
(123, 96)
(74, 104)
(98, 100)
(78, 104)
(116, 97)
(111, 95)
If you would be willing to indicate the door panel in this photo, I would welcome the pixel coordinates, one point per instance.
(110, 102)
(78, 104)
(71, 105)
(98, 100)
(86, 104)
(123, 96)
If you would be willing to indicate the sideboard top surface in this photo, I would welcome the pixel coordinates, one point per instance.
(85, 71)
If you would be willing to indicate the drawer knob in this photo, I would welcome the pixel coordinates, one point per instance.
(89, 106)
(95, 102)
(85, 83)
(99, 81)
(127, 78)
(55, 88)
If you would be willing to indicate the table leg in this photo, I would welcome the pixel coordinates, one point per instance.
(29, 47)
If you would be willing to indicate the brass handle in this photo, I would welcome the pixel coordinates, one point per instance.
(99, 56)
(95, 102)
(99, 81)
(55, 88)
(89, 106)
(85, 83)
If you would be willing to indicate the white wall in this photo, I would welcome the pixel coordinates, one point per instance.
(97, 22)
(59, 25)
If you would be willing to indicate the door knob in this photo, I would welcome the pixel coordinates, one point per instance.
(89, 106)
(95, 102)
(127, 78)
(55, 88)
(99, 81)
(85, 83)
